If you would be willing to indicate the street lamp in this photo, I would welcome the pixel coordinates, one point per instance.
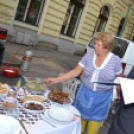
(124, 24)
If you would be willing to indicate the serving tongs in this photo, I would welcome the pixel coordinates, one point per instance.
(22, 125)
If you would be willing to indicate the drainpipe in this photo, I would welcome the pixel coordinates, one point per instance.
(124, 24)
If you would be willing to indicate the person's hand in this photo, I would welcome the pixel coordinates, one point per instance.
(118, 91)
(50, 80)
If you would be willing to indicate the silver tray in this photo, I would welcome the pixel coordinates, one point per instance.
(35, 92)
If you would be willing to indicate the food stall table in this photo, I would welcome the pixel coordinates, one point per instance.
(73, 127)
(42, 127)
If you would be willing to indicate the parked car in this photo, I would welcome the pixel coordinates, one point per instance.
(123, 48)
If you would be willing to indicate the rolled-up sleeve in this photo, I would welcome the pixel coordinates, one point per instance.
(118, 66)
(83, 61)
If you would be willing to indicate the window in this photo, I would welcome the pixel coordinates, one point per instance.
(102, 20)
(72, 17)
(120, 47)
(30, 11)
(120, 27)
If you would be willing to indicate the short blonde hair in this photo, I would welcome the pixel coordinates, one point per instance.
(106, 38)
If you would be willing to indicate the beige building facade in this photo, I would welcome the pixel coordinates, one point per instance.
(64, 25)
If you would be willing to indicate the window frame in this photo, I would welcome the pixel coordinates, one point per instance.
(28, 10)
(78, 4)
(101, 17)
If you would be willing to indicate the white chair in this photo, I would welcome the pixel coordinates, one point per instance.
(70, 86)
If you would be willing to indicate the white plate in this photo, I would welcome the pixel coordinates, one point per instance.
(61, 114)
(33, 111)
(67, 104)
(9, 125)
(34, 91)
(52, 120)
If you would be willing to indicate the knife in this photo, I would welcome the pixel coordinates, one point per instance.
(23, 126)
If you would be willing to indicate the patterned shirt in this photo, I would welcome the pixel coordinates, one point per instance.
(110, 67)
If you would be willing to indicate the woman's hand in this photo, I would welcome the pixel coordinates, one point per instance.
(50, 80)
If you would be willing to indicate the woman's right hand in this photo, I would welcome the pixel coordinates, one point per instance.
(50, 80)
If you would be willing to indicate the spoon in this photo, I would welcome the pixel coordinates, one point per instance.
(26, 79)
(25, 94)
(41, 118)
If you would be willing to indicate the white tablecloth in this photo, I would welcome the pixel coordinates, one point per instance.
(73, 127)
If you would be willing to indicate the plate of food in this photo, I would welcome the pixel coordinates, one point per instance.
(32, 98)
(35, 85)
(59, 97)
(8, 105)
(4, 88)
(34, 91)
(33, 107)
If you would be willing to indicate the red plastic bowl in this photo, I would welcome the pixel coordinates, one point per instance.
(10, 72)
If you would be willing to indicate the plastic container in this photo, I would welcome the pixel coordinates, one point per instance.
(10, 72)
(3, 33)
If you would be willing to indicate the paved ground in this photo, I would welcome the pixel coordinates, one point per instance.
(44, 64)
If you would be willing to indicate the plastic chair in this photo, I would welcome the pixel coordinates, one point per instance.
(70, 86)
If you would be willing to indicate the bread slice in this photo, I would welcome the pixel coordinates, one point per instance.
(32, 98)
(5, 86)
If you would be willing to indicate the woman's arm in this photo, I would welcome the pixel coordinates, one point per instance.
(69, 75)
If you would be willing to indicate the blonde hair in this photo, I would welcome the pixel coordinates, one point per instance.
(106, 38)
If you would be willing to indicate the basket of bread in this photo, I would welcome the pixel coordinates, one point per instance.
(4, 88)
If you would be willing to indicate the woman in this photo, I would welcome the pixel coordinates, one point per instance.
(124, 118)
(93, 100)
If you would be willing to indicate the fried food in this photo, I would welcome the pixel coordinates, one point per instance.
(33, 106)
(59, 97)
(8, 105)
(4, 88)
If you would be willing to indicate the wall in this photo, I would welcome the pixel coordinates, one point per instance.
(54, 17)
(7, 11)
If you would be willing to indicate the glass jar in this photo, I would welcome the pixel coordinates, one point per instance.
(11, 96)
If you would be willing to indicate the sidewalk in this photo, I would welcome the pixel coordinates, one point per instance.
(11, 49)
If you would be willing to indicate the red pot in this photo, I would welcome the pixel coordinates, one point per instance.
(10, 72)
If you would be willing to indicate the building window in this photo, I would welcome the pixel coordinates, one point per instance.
(102, 20)
(120, 27)
(133, 39)
(30, 11)
(72, 17)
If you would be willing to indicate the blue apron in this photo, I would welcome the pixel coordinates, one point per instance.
(93, 106)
